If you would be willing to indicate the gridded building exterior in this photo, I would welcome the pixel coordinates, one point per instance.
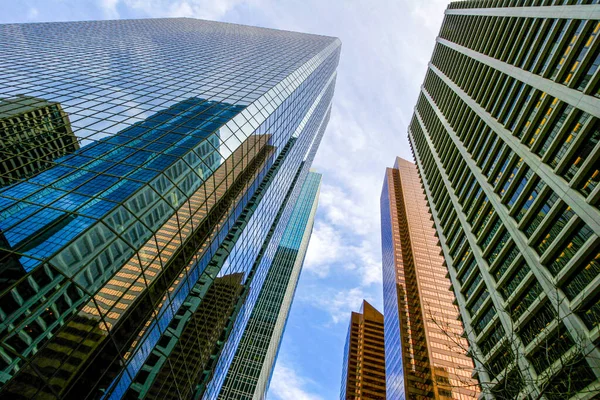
(425, 355)
(505, 134)
(252, 367)
(131, 267)
(363, 372)
(191, 351)
(33, 133)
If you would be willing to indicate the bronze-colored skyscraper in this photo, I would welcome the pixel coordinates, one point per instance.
(425, 353)
(363, 374)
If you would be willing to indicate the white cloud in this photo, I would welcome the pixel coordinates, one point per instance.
(330, 248)
(428, 13)
(203, 9)
(345, 208)
(324, 249)
(32, 13)
(287, 384)
(370, 269)
(109, 7)
(337, 303)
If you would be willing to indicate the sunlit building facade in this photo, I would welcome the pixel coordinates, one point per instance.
(363, 368)
(425, 353)
(131, 266)
(506, 137)
(250, 372)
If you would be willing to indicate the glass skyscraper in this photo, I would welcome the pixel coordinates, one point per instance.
(131, 264)
(506, 137)
(425, 353)
(251, 370)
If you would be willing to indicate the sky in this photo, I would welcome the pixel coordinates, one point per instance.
(386, 45)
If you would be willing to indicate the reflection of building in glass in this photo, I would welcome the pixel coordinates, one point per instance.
(126, 289)
(11, 269)
(250, 372)
(363, 371)
(425, 353)
(506, 137)
(197, 154)
(33, 133)
(183, 353)
(63, 356)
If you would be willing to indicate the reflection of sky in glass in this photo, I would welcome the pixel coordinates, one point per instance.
(161, 109)
(394, 370)
(275, 296)
(92, 181)
(110, 74)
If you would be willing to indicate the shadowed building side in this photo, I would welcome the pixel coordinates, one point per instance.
(176, 364)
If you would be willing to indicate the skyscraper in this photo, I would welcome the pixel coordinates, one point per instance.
(425, 354)
(505, 134)
(249, 375)
(363, 370)
(141, 255)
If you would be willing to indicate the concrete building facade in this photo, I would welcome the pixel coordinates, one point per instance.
(505, 135)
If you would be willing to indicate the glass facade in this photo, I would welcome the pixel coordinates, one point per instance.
(394, 368)
(505, 135)
(33, 133)
(132, 258)
(426, 356)
(252, 366)
(363, 370)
